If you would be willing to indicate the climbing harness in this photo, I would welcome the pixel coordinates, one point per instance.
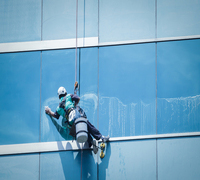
(67, 111)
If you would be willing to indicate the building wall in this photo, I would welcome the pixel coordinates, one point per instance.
(138, 66)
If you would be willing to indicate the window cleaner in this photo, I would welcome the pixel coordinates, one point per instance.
(76, 119)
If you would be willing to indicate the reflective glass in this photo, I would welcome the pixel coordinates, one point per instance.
(20, 20)
(178, 74)
(59, 19)
(178, 158)
(21, 167)
(133, 157)
(122, 20)
(127, 90)
(89, 83)
(20, 97)
(88, 18)
(178, 18)
(67, 165)
(58, 69)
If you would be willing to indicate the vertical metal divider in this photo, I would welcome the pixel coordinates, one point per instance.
(156, 87)
(98, 92)
(84, 24)
(40, 106)
(98, 110)
(39, 154)
(156, 115)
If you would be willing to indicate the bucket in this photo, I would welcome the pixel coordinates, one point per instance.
(81, 130)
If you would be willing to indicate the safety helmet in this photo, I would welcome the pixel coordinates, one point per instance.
(62, 91)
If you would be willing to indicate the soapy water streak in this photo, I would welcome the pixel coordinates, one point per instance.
(127, 119)
(134, 118)
(139, 118)
(182, 113)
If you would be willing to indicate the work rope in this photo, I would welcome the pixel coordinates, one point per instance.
(76, 56)
(76, 40)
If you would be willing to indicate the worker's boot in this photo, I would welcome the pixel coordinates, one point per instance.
(105, 138)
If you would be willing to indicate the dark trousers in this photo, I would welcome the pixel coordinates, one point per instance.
(94, 132)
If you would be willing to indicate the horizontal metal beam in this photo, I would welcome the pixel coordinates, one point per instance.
(82, 42)
(47, 45)
(156, 136)
(155, 40)
(73, 145)
(41, 147)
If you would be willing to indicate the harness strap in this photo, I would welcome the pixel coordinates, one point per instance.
(67, 112)
(62, 105)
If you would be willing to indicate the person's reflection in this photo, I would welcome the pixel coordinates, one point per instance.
(64, 132)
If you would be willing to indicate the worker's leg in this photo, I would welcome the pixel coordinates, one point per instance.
(90, 140)
(93, 131)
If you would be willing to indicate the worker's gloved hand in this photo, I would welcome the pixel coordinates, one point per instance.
(47, 110)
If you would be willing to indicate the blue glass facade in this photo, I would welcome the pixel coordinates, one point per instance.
(58, 69)
(178, 86)
(127, 90)
(20, 20)
(129, 20)
(20, 167)
(20, 97)
(129, 87)
(66, 165)
(177, 18)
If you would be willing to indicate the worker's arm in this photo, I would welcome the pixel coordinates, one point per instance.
(49, 112)
(75, 98)
(76, 102)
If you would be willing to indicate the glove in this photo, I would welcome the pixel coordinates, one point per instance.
(47, 110)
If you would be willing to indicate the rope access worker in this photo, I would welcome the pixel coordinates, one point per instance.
(67, 109)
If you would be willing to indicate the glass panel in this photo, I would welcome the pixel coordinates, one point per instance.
(89, 83)
(20, 20)
(178, 18)
(133, 157)
(20, 97)
(67, 165)
(21, 167)
(122, 20)
(88, 18)
(58, 69)
(59, 19)
(178, 86)
(179, 158)
(127, 90)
